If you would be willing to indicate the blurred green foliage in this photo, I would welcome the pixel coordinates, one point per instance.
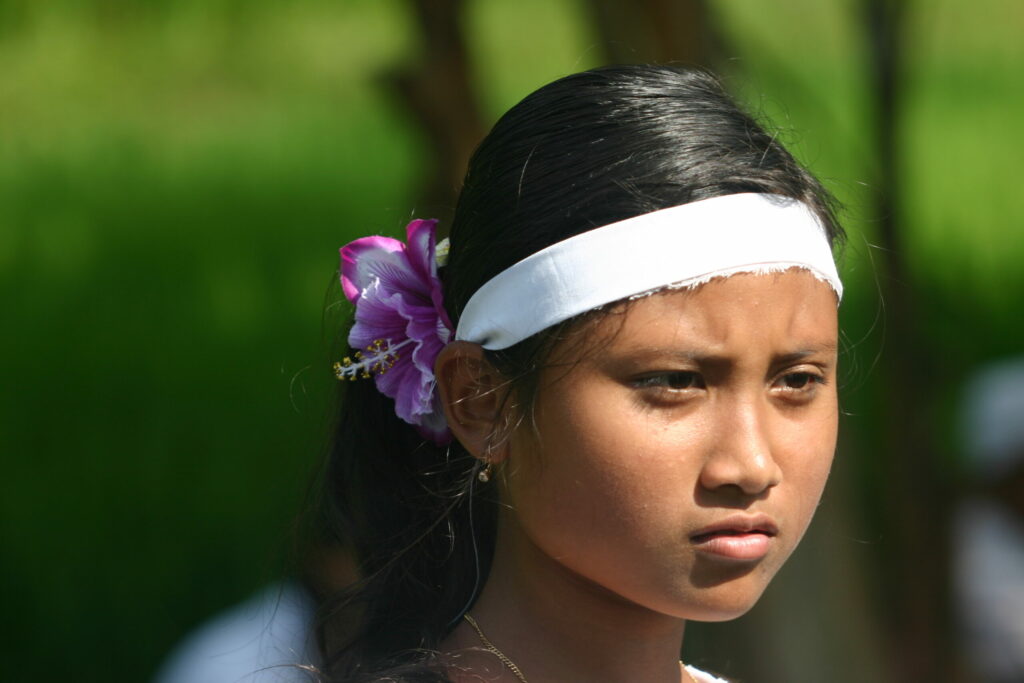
(175, 179)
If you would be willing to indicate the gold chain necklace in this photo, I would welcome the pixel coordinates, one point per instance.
(510, 665)
(489, 646)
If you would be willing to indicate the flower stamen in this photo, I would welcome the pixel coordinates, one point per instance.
(375, 359)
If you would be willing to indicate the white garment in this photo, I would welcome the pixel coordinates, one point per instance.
(703, 676)
(259, 641)
(988, 547)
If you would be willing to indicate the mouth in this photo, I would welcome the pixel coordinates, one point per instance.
(743, 538)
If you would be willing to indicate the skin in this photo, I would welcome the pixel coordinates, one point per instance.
(693, 406)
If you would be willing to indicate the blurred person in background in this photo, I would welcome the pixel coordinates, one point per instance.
(263, 639)
(268, 638)
(988, 528)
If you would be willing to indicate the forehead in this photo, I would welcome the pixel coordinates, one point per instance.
(742, 312)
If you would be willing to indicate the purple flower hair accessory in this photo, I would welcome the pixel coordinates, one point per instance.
(400, 323)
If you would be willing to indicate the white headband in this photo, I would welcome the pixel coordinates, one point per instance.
(682, 246)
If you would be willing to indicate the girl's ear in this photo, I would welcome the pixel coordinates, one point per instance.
(473, 394)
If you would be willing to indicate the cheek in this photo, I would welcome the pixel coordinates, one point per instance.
(598, 476)
(562, 483)
(808, 460)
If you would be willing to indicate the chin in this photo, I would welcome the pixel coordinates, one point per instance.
(720, 612)
(727, 600)
(710, 591)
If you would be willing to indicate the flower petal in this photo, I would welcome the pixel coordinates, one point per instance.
(425, 331)
(420, 247)
(364, 260)
(378, 318)
(421, 238)
(434, 426)
(403, 383)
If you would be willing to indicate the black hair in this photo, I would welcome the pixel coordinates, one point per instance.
(585, 151)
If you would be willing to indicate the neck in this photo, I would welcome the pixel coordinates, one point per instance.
(557, 626)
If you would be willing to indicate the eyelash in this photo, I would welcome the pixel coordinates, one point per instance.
(692, 380)
(811, 378)
(663, 381)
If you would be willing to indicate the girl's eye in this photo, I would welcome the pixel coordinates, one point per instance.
(800, 382)
(672, 381)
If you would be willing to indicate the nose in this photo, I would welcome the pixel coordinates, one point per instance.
(740, 453)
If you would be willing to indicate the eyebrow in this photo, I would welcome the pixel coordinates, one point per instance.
(704, 358)
(800, 354)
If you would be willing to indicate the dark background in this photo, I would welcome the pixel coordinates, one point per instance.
(176, 177)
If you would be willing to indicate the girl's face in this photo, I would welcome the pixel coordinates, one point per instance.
(677, 463)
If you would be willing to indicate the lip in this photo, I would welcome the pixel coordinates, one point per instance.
(737, 537)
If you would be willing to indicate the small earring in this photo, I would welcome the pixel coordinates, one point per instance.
(484, 475)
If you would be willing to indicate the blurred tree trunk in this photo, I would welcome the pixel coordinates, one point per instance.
(915, 549)
(655, 31)
(437, 89)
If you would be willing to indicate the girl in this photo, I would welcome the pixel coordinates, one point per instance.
(609, 409)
